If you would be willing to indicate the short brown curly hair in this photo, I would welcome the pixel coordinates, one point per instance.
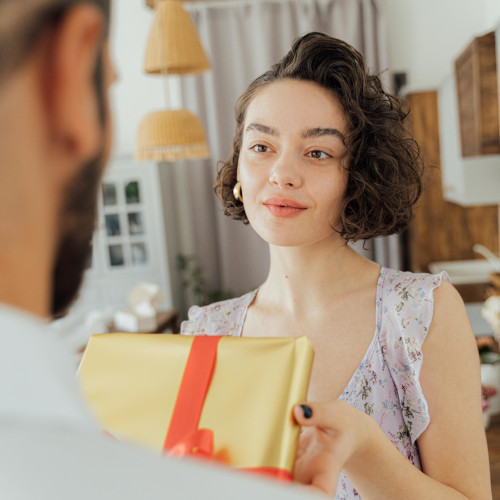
(384, 162)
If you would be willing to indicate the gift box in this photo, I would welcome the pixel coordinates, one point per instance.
(227, 399)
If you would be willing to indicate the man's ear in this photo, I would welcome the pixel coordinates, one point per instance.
(72, 99)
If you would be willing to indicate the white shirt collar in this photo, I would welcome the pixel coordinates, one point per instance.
(37, 373)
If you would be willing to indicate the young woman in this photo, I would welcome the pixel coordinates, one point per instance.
(321, 157)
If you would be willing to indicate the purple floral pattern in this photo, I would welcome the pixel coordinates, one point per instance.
(386, 384)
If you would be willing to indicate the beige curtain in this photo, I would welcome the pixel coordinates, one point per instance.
(243, 39)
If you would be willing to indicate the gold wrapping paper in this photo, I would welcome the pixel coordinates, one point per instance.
(131, 381)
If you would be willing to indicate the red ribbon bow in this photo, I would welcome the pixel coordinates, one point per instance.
(200, 444)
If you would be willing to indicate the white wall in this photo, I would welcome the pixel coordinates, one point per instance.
(425, 36)
(492, 13)
(134, 94)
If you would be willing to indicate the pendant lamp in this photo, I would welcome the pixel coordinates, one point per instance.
(170, 135)
(173, 48)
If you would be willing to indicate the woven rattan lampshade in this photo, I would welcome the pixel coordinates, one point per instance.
(153, 3)
(174, 47)
(170, 135)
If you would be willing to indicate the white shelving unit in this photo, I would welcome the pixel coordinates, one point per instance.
(129, 244)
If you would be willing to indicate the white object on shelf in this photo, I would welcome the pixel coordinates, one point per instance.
(491, 313)
(490, 376)
(146, 298)
(480, 326)
(486, 418)
(464, 272)
(130, 321)
(490, 256)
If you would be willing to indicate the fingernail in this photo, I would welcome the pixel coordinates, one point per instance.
(308, 413)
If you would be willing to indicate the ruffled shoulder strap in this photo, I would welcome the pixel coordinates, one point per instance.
(220, 318)
(407, 310)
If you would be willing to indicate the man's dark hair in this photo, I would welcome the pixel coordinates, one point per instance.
(382, 159)
(23, 22)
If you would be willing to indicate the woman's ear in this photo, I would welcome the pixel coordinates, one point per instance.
(72, 100)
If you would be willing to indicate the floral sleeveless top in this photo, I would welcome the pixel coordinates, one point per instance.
(386, 384)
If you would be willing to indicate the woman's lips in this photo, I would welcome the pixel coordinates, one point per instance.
(284, 207)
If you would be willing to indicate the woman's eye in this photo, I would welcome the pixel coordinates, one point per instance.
(260, 148)
(318, 155)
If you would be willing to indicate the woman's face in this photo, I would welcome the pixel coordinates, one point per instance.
(289, 166)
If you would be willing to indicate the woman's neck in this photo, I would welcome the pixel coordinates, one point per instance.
(306, 279)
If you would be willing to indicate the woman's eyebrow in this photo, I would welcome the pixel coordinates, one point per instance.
(320, 132)
(262, 128)
(310, 132)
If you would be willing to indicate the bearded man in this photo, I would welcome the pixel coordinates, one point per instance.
(55, 133)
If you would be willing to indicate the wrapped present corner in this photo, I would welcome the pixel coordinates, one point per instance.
(225, 398)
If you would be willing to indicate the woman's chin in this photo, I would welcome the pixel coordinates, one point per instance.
(292, 240)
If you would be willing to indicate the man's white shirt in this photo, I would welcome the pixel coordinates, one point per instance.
(51, 447)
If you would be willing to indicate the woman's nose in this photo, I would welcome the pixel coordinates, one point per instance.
(285, 172)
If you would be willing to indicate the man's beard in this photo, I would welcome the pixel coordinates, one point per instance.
(78, 217)
(77, 221)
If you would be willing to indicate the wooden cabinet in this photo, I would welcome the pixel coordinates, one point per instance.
(442, 230)
(471, 180)
(477, 93)
(458, 131)
(470, 120)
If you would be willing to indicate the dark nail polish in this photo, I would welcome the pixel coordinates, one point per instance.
(308, 413)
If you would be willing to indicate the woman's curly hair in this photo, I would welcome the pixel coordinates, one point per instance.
(384, 162)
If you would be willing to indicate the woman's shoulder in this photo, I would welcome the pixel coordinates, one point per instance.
(407, 301)
(220, 318)
(399, 282)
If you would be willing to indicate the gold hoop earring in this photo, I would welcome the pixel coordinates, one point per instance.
(238, 196)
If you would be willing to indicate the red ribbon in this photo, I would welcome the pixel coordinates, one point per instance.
(274, 472)
(183, 436)
(193, 390)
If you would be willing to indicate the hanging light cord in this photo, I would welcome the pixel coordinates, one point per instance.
(163, 69)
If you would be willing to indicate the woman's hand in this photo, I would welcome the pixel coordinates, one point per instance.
(334, 434)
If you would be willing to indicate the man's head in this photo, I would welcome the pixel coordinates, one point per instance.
(55, 54)
(22, 25)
